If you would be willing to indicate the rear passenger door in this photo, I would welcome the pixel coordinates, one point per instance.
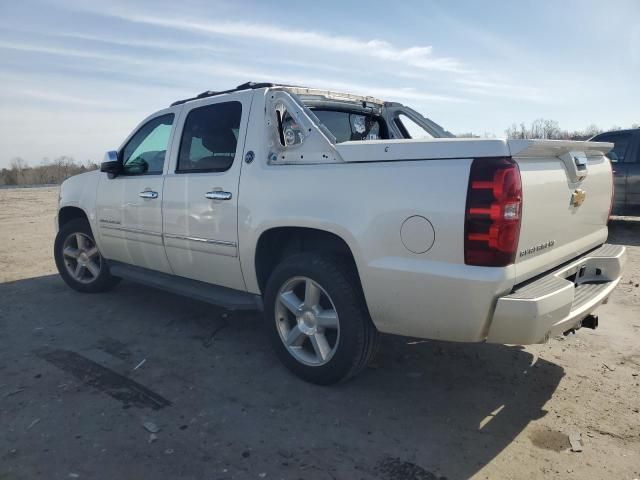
(201, 190)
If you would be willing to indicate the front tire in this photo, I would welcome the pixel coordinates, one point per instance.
(317, 318)
(78, 259)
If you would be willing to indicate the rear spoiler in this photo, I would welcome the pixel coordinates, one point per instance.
(557, 148)
(574, 154)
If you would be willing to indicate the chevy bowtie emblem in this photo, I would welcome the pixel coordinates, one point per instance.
(577, 197)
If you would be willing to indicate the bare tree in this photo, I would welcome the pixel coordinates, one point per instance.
(550, 130)
(18, 167)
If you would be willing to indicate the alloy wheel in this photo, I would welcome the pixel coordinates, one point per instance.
(307, 321)
(81, 257)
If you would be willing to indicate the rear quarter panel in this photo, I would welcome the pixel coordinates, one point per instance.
(432, 294)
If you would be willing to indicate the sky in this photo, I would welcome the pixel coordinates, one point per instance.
(77, 76)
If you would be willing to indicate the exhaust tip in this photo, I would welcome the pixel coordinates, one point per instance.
(590, 321)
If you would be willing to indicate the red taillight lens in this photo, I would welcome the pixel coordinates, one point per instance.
(494, 203)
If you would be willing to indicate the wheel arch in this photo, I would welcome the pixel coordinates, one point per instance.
(277, 243)
(68, 213)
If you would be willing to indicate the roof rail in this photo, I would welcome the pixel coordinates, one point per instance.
(210, 93)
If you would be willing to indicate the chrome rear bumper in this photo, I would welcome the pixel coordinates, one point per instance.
(559, 300)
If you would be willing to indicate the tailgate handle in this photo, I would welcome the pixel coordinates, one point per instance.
(581, 163)
(577, 165)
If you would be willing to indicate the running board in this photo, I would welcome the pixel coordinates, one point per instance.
(224, 297)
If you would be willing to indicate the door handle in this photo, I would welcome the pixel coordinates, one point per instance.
(148, 194)
(218, 195)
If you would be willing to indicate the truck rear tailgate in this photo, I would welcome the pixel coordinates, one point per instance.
(566, 192)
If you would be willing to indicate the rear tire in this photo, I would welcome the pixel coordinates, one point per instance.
(317, 318)
(78, 259)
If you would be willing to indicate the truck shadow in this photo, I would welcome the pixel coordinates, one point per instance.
(423, 410)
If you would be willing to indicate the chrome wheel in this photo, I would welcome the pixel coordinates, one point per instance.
(307, 321)
(81, 257)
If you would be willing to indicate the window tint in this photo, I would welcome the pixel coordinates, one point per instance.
(621, 148)
(147, 149)
(347, 126)
(210, 138)
(411, 129)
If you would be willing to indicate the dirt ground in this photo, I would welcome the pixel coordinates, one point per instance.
(81, 374)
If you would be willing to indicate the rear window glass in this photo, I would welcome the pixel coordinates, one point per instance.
(346, 126)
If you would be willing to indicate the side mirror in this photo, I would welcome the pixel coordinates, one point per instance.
(111, 164)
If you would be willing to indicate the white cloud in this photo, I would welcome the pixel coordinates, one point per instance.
(497, 88)
(49, 96)
(145, 43)
(71, 52)
(417, 56)
(166, 70)
(219, 69)
(417, 62)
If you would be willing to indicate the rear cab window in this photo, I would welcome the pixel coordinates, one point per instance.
(347, 126)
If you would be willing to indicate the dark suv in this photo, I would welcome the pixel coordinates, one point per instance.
(625, 159)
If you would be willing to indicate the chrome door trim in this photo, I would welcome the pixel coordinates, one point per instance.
(105, 226)
(202, 240)
(210, 241)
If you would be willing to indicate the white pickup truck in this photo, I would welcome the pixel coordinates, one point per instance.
(344, 216)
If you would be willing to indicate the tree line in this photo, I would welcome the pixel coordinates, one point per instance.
(53, 171)
(548, 130)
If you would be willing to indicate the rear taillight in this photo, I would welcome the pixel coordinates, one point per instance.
(494, 204)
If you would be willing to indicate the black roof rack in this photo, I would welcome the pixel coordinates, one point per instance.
(210, 93)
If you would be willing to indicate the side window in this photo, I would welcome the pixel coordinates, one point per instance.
(411, 129)
(146, 151)
(620, 151)
(210, 138)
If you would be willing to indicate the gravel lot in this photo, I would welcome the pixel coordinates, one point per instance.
(81, 374)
